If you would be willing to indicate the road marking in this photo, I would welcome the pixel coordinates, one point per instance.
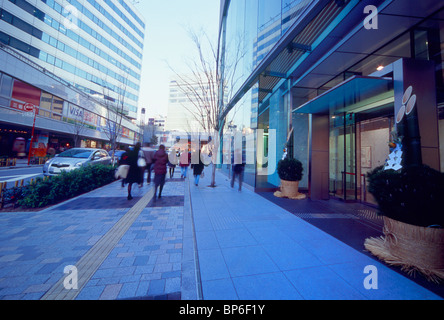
(19, 177)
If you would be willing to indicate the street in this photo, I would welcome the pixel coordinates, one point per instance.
(26, 174)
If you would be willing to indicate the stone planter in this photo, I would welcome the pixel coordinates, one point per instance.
(290, 189)
(411, 247)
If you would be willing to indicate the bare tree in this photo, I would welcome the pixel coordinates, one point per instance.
(203, 86)
(76, 117)
(115, 111)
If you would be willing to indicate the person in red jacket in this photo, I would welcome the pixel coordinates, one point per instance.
(160, 169)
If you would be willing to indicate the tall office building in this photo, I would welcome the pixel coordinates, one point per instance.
(91, 44)
(88, 54)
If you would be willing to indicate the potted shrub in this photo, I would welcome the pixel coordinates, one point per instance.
(410, 201)
(290, 172)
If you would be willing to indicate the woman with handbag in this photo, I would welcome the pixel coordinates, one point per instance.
(135, 172)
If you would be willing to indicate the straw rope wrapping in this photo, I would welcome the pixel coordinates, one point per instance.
(411, 247)
(290, 189)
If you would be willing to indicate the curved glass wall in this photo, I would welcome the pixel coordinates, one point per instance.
(253, 28)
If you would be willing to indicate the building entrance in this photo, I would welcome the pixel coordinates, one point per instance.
(358, 144)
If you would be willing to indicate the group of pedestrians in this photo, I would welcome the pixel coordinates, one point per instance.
(144, 159)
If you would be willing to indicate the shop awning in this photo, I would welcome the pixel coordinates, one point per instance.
(350, 96)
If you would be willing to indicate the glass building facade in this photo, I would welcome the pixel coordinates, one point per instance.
(323, 80)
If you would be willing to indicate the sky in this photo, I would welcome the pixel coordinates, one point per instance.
(166, 39)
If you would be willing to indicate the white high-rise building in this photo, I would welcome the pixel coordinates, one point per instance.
(90, 44)
(69, 60)
(181, 110)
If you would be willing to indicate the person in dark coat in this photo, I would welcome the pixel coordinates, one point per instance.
(160, 169)
(238, 170)
(197, 170)
(134, 173)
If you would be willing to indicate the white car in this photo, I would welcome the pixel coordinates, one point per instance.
(75, 158)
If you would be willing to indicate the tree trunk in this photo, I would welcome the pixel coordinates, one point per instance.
(213, 176)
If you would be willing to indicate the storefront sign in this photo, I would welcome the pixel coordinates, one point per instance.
(39, 145)
(25, 97)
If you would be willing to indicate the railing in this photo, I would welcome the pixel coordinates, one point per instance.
(8, 162)
(353, 186)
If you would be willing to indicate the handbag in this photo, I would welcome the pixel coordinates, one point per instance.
(122, 171)
(141, 162)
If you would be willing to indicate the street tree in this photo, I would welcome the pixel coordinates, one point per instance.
(205, 89)
(115, 110)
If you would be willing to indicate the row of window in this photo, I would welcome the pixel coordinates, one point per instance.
(19, 45)
(94, 64)
(100, 23)
(110, 17)
(26, 27)
(72, 35)
(61, 28)
(82, 25)
(131, 12)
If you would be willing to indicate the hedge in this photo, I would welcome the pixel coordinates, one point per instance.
(65, 186)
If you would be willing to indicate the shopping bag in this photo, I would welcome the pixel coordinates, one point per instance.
(122, 171)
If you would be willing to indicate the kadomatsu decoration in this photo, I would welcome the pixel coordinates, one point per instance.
(409, 196)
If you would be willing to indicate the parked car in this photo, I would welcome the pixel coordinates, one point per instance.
(117, 155)
(75, 158)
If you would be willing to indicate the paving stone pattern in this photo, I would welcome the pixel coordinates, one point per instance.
(143, 263)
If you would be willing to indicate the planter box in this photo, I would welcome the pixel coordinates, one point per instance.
(411, 247)
(290, 189)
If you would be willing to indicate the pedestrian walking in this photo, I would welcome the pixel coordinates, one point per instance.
(238, 170)
(184, 163)
(171, 168)
(134, 173)
(160, 169)
(149, 154)
(197, 170)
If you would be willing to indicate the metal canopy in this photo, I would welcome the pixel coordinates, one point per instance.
(349, 93)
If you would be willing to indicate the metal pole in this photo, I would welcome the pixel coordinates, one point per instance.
(32, 136)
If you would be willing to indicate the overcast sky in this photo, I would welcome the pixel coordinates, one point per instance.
(166, 39)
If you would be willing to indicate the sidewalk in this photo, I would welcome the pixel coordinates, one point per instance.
(194, 243)
(249, 249)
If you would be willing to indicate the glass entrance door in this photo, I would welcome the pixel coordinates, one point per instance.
(343, 173)
(374, 135)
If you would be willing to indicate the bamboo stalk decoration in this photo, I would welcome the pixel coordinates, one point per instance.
(408, 130)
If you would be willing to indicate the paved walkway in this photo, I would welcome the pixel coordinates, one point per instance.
(250, 248)
(194, 243)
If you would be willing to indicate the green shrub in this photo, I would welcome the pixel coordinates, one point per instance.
(66, 185)
(290, 169)
(412, 195)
